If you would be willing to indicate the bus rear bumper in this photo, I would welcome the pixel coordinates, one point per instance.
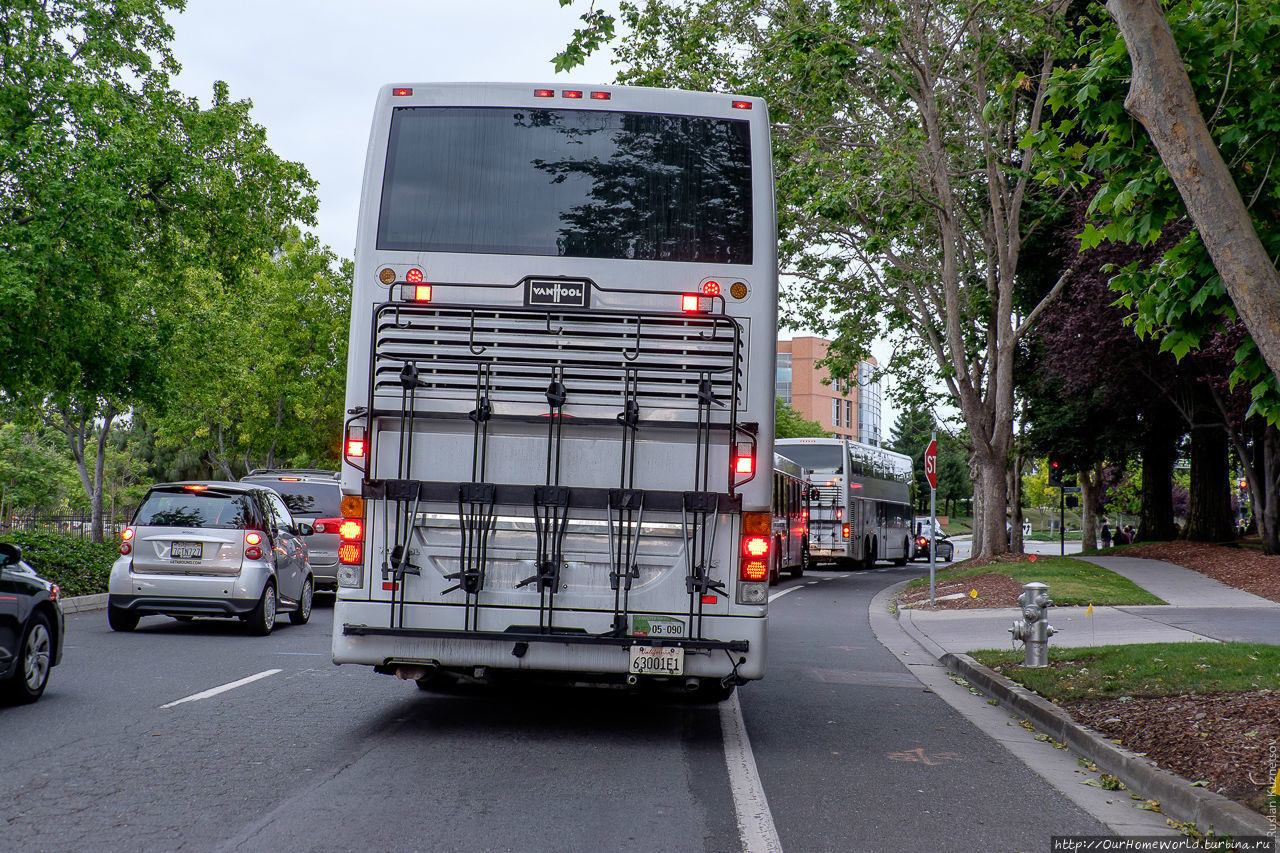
(376, 645)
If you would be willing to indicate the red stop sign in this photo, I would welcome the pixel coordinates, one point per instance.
(931, 464)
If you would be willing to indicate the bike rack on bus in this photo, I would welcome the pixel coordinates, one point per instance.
(551, 504)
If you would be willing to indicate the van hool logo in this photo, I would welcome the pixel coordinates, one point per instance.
(545, 292)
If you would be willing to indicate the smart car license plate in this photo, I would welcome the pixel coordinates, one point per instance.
(657, 660)
(187, 550)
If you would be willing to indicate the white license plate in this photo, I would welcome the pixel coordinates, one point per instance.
(657, 660)
(187, 550)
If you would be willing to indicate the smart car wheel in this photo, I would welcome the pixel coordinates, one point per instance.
(263, 617)
(303, 613)
(28, 682)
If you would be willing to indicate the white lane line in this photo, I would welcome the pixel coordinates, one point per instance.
(783, 592)
(755, 822)
(214, 691)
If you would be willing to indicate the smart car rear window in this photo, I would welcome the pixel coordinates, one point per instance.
(188, 509)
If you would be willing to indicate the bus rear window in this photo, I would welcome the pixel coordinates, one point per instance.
(571, 183)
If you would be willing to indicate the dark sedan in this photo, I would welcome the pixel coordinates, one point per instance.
(31, 628)
(946, 548)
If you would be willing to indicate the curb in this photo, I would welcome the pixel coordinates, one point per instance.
(84, 603)
(1178, 798)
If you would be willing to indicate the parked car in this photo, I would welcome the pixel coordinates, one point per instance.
(212, 549)
(946, 548)
(31, 628)
(315, 496)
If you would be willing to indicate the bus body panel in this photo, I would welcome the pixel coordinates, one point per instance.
(440, 478)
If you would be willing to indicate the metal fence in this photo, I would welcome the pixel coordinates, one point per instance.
(74, 523)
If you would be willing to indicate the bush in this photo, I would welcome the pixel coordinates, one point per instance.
(77, 565)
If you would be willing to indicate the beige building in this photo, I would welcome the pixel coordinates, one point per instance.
(847, 408)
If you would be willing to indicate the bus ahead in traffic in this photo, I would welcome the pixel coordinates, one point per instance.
(859, 500)
(561, 387)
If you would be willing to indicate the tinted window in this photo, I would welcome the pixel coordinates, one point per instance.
(819, 458)
(309, 499)
(574, 183)
(192, 509)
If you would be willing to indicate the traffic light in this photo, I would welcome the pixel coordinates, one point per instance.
(1055, 473)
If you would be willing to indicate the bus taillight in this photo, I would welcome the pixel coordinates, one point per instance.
(753, 566)
(691, 303)
(744, 465)
(351, 544)
(422, 293)
(844, 531)
(353, 445)
(711, 288)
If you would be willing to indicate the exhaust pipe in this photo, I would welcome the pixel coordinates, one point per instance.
(406, 672)
(633, 680)
(691, 685)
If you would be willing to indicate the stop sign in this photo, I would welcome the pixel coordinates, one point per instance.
(931, 464)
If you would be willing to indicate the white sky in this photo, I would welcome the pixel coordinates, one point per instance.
(312, 70)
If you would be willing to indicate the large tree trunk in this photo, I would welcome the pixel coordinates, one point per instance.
(1263, 473)
(1159, 450)
(1209, 516)
(1090, 486)
(1161, 98)
(991, 512)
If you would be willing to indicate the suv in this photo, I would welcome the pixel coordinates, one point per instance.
(312, 495)
(212, 549)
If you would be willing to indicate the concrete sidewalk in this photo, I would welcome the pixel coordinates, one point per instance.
(1198, 609)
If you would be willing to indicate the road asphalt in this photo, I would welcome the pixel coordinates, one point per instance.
(1197, 609)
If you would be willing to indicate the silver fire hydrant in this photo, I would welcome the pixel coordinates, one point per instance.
(1033, 629)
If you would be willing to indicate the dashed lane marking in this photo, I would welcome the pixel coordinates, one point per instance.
(214, 691)
(781, 593)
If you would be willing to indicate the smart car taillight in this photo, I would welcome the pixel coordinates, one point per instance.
(327, 525)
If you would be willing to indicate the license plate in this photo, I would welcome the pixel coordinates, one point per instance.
(656, 626)
(657, 660)
(187, 550)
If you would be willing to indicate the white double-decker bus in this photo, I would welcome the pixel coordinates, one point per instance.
(859, 500)
(561, 387)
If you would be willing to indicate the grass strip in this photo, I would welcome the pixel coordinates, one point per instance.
(1144, 669)
(1071, 581)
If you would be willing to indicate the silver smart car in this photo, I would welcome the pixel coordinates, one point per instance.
(212, 549)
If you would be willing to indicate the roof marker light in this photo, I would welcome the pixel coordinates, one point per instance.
(400, 93)
(571, 93)
(600, 96)
(544, 93)
(742, 105)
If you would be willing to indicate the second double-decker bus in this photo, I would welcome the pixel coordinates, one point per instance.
(561, 386)
(860, 500)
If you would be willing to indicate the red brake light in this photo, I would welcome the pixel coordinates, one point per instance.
(351, 529)
(349, 553)
(253, 552)
(742, 105)
(544, 93)
(689, 303)
(755, 546)
(600, 96)
(413, 276)
(570, 93)
(844, 531)
(744, 465)
(355, 447)
(195, 488)
(290, 480)
(327, 525)
(921, 541)
(125, 548)
(128, 534)
(54, 592)
(253, 537)
(400, 93)
(711, 288)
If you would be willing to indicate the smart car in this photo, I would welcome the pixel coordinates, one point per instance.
(31, 628)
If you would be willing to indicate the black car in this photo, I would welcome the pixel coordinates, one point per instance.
(31, 628)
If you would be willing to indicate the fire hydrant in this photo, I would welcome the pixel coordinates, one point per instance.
(1033, 629)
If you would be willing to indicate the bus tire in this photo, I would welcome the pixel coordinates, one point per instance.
(906, 552)
(869, 555)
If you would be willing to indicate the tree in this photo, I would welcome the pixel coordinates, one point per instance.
(275, 391)
(1161, 97)
(114, 185)
(902, 181)
(788, 423)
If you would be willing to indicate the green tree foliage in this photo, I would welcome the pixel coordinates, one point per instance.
(910, 435)
(114, 187)
(788, 423)
(30, 468)
(1230, 56)
(902, 180)
(259, 369)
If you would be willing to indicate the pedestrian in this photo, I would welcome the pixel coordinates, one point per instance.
(1129, 534)
(1106, 534)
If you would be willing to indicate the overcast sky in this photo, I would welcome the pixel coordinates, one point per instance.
(312, 70)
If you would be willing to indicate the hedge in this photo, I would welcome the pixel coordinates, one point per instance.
(75, 564)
